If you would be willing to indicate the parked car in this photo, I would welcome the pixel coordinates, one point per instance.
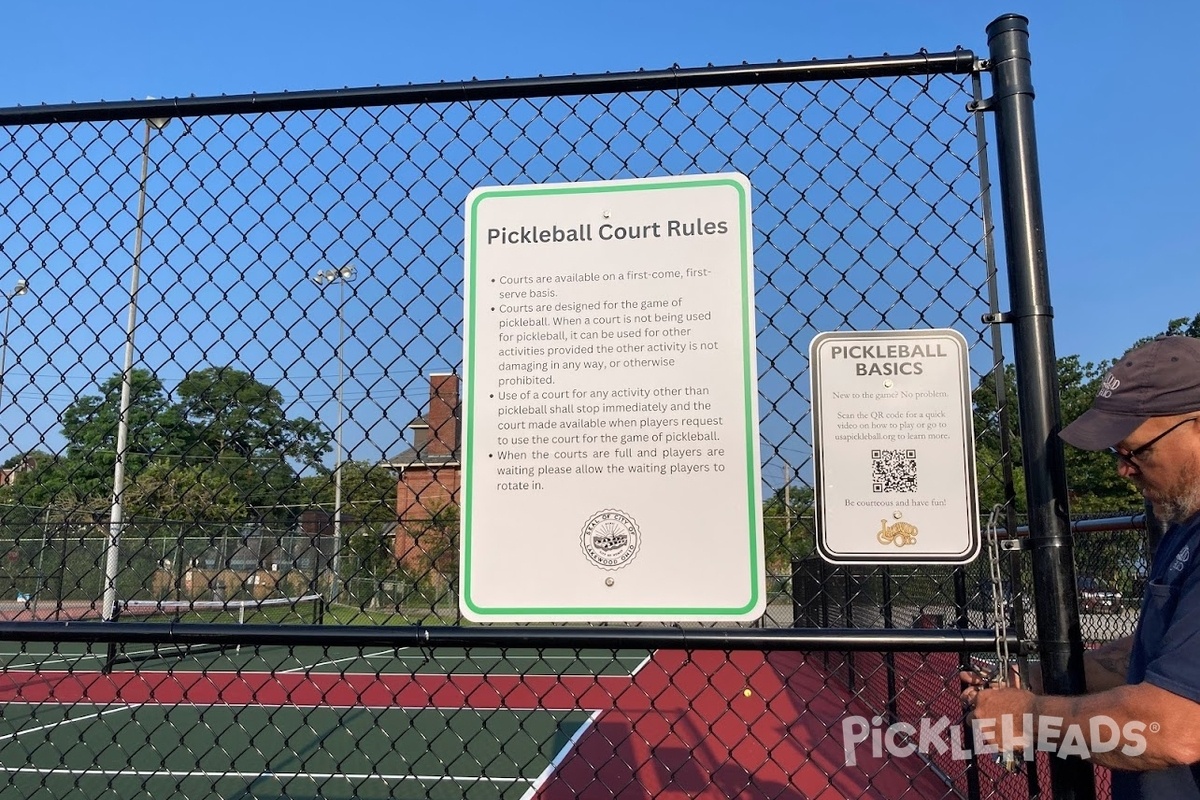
(985, 595)
(984, 599)
(1096, 598)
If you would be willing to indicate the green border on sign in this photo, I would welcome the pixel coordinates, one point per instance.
(749, 382)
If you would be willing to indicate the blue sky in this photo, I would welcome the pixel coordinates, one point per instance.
(1116, 125)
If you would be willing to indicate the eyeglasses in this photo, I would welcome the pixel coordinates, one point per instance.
(1131, 457)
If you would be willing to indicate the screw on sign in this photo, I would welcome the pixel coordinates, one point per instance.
(14, 555)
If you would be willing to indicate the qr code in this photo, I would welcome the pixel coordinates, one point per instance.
(894, 470)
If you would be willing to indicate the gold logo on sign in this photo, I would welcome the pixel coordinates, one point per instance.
(898, 533)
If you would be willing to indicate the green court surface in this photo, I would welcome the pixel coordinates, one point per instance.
(257, 752)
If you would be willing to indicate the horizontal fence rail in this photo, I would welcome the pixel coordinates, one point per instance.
(816, 639)
(958, 62)
(1132, 522)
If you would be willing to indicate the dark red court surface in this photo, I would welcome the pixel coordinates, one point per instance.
(20, 611)
(685, 728)
(339, 690)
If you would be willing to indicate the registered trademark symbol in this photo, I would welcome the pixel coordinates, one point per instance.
(1154, 727)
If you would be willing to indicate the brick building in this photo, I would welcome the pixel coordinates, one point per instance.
(9, 476)
(429, 476)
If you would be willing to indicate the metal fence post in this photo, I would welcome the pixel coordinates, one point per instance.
(1059, 639)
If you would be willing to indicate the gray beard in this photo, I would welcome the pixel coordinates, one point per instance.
(1179, 508)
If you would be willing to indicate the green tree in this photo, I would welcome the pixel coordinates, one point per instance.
(788, 527)
(90, 426)
(1181, 326)
(169, 489)
(51, 485)
(232, 414)
(368, 521)
(79, 480)
(368, 492)
(225, 447)
(239, 426)
(433, 566)
(34, 457)
(1092, 478)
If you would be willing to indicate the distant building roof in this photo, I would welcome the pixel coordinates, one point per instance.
(412, 458)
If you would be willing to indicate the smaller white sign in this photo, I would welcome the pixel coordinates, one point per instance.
(893, 448)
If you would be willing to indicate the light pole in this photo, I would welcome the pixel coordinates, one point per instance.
(323, 278)
(19, 289)
(117, 515)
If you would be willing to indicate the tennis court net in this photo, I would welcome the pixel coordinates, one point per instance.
(303, 609)
(306, 609)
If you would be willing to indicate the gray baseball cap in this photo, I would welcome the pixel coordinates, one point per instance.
(1159, 379)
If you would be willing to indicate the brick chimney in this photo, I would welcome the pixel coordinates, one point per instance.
(442, 417)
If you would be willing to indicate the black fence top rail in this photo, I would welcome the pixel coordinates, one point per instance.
(958, 62)
(766, 639)
(1132, 522)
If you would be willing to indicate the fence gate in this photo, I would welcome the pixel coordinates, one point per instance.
(230, 388)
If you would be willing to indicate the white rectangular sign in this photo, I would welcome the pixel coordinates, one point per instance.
(893, 447)
(611, 459)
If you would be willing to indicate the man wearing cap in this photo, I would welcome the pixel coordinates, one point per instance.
(1147, 686)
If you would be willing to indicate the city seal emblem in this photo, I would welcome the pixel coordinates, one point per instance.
(610, 539)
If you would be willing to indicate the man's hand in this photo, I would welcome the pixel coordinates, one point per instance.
(974, 678)
(997, 712)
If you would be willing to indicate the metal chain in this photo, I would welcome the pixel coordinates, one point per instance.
(999, 602)
(1007, 759)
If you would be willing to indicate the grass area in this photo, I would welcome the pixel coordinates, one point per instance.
(339, 614)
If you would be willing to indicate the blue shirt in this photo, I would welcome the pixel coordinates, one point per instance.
(1166, 652)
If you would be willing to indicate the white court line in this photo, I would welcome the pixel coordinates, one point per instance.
(332, 661)
(389, 654)
(33, 665)
(66, 721)
(560, 756)
(38, 665)
(246, 775)
(75, 659)
(643, 663)
(574, 740)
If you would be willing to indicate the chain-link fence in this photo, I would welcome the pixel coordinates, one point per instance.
(230, 375)
(53, 570)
